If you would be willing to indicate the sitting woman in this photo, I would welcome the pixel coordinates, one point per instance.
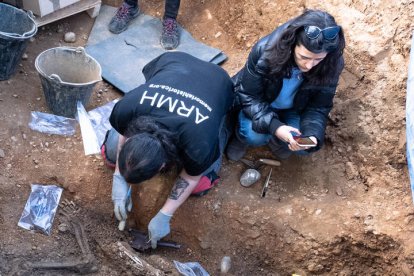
(287, 86)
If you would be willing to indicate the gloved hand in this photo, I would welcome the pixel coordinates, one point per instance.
(158, 228)
(121, 196)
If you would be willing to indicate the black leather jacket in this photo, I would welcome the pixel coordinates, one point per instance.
(255, 91)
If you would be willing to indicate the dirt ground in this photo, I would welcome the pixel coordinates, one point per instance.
(346, 210)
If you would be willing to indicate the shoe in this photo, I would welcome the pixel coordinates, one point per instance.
(236, 149)
(121, 19)
(107, 162)
(170, 34)
(205, 184)
(278, 150)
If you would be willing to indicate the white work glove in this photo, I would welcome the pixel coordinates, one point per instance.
(121, 196)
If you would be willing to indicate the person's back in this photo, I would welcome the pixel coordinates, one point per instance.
(188, 96)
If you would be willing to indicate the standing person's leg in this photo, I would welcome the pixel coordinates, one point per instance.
(133, 3)
(170, 37)
(125, 13)
(171, 8)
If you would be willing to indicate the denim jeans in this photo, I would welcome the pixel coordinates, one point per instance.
(247, 135)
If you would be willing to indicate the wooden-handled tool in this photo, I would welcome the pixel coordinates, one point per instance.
(266, 184)
(270, 162)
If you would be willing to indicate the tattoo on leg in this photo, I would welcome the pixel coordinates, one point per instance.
(179, 187)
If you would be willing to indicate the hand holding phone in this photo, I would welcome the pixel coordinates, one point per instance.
(304, 141)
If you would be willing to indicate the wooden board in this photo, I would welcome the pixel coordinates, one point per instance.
(91, 6)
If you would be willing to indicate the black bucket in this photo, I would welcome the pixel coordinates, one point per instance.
(68, 75)
(16, 28)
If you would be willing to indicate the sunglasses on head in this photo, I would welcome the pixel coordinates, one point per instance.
(329, 33)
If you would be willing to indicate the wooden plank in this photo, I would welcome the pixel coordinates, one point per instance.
(92, 6)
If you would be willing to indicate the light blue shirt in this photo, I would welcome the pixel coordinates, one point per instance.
(289, 89)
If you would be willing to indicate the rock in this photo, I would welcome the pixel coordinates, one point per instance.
(216, 206)
(339, 191)
(25, 56)
(368, 218)
(351, 171)
(314, 267)
(70, 37)
(63, 227)
(204, 245)
(254, 234)
(59, 29)
(225, 264)
(2, 155)
(249, 177)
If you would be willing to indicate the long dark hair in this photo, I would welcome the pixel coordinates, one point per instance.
(281, 55)
(149, 147)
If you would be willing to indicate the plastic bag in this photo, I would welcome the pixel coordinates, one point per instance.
(52, 124)
(100, 120)
(90, 141)
(40, 209)
(190, 269)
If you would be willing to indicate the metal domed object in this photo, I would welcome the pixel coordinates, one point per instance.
(249, 177)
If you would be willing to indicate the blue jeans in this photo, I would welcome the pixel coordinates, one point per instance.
(247, 135)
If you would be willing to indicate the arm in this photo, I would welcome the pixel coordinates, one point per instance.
(121, 195)
(121, 142)
(181, 190)
(250, 88)
(159, 225)
(315, 115)
(313, 124)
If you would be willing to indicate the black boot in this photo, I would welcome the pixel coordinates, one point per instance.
(278, 150)
(236, 149)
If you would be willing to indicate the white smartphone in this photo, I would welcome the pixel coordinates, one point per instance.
(304, 141)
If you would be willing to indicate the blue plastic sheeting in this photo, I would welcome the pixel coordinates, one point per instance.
(123, 56)
(410, 117)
